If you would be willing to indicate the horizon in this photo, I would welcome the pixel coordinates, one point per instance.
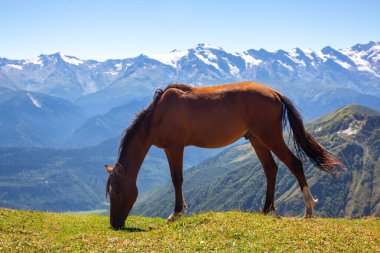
(101, 30)
(162, 53)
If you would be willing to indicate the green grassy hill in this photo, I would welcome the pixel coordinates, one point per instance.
(24, 231)
(234, 179)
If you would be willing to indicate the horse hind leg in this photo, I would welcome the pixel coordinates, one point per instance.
(309, 202)
(270, 169)
(276, 143)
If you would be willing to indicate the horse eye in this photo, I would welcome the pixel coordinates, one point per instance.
(115, 190)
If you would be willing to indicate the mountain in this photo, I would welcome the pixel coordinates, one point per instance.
(316, 101)
(58, 75)
(95, 101)
(234, 178)
(74, 179)
(99, 86)
(347, 68)
(30, 119)
(63, 180)
(101, 127)
(138, 80)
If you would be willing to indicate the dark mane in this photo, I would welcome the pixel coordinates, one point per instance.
(182, 87)
(142, 119)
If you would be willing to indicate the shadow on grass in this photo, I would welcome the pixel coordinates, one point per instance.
(131, 229)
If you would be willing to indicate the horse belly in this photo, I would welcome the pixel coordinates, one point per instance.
(216, 132)
(215, 142)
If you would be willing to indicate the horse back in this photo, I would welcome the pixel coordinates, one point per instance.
(216, 115)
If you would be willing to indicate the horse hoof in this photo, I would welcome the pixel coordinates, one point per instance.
(269, 209)
(308, 216)
(174, 217)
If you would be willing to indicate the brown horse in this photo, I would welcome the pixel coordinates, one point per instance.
(212, 117)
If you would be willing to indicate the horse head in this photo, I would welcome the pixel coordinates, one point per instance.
(123, 194)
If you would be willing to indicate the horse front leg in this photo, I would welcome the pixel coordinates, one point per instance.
(175, 159)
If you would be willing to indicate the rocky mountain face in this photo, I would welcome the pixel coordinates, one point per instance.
(31, 119)
(234, 179)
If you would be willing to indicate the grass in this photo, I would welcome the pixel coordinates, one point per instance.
(27, 231)
(96, 211)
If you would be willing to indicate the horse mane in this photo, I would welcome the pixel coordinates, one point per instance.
(142, 119)
(182, 87)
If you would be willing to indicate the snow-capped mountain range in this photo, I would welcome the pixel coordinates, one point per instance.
(59, 100)
(68, 77)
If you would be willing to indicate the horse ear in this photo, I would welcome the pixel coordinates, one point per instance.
(108, 168)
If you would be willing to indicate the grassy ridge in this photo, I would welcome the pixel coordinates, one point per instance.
(24, 231)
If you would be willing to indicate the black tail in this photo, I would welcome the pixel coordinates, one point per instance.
(305, 143)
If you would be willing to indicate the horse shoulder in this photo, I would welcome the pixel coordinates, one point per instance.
(167, 104)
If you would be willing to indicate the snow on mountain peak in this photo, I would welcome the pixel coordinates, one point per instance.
(193, 63)
(118, 66)
(34, 61)
(34, 100)
(207, 57)
(363, 54)
(71, 59)
(249, 59)
(202, 51)
(308, 52)
(294, 54)
(14, 66)
(171, 58)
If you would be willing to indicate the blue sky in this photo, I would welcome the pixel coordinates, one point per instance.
(118, 29)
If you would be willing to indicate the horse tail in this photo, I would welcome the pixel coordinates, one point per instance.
(305, 143)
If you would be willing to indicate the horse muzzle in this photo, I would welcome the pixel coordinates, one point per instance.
(117, 223)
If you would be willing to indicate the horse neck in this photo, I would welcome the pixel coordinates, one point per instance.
(132, 158)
